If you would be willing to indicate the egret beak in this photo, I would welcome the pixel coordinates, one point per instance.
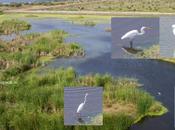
(148, 28)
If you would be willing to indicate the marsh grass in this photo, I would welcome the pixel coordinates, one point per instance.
(89, 23)
(24, 52)
(13, 26)
(152, 52)
(36, 100)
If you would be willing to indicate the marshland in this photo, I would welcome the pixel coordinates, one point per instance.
(93, 5)
(60, 51)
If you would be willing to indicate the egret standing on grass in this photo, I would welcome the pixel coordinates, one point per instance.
(81, 106)
(134, 33)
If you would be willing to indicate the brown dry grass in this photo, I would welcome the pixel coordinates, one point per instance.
(121, 107)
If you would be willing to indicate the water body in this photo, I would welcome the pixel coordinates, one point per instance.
(155, 75)
(93, 106)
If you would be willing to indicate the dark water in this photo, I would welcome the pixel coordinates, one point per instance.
(121, 26)
(155, 75)
(74, 96)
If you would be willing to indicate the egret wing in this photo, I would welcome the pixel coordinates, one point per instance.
(131, 34)
(80, 107)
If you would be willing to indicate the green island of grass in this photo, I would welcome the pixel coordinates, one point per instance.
(13, 26)
(35, 101)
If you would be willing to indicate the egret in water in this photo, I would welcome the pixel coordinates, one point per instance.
(134, 33)
(81, 106)
(173, 26)
(159, 93)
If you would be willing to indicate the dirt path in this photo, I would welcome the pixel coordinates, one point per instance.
(88, 12)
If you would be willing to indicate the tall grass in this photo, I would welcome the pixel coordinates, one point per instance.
(25, 51)
(13, 26)
(36, 100)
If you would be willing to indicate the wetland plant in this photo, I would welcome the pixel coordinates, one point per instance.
(36, 101)
(13, 26)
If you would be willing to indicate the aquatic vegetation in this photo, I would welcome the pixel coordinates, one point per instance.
(13, 26)
(89, 23)
(97, 120)
(36, 100)
(25, 51)
(152, 52)
(1, 12)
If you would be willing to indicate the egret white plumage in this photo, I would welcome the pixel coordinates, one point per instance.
(134, 33)
(81, 106)
(173, 26)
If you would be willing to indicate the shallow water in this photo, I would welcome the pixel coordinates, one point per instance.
(155, 75)
(74, 96)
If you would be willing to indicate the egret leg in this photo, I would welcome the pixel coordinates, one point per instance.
(131, 44)
(78, 114)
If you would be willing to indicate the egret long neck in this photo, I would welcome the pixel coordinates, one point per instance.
(85, 99)
(142, 31)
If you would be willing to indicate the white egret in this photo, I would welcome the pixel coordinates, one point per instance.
(81, 106)
(159, 93)
(134, 33)
(173, 26)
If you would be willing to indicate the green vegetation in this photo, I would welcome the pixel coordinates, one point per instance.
(105, 5)
(13, 26)
(97, 120)
(152, 52)
(35, 101)
(127, 5)
(89, 23)
(32, 100)
(1, 12)
(171, 60)
(27, 51)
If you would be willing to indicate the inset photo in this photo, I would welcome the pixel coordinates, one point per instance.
(83, 106)
(167, 37)
(135, 37)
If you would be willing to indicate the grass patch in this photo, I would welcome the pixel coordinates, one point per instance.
(13, 26)
(32, 50)
(38, 100)
(152, 52)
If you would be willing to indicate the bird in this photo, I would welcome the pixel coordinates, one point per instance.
(81, 106)
(159, 93)
(173, 26)
(134, 33)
